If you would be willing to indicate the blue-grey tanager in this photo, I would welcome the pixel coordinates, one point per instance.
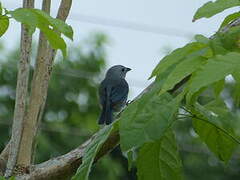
(113, 93)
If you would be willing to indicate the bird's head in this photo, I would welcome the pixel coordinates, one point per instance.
(117, 71)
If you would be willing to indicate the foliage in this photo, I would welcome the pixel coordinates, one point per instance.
(160, 160)
(4, 23)
(211, 8)
(35, 18)
(230, 18)
(3, 178)
(90, 152)
(147, 119)
(145, 125)
(71, 109)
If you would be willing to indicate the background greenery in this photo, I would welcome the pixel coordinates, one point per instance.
(72, 110)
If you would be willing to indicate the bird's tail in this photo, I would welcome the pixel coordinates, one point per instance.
(109, 115)
(102, 117)
(106, 115)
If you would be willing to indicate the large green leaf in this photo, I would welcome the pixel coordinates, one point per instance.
(230, 39)
(160, 160)
(33, 18)
(217, 45)
(218, 87)
(229, 19)
(217, 141)
(213, 125)
(215, 69)
(38, 18)
(90, 153)
(57, 24)
(176, 56)
(183, 69)
(147, 119)
(201, 38)
(211, 8)
(4, 23)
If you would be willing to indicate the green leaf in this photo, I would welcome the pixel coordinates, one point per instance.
(33, 18)
(211, 8)
(217, 141)
(183, 69)
(229, 19)
(147, 119)
(217, 46)
(214, 129)
(55, 41)
(57, 24)
(175, 57)
(3, 178)
(160, 160)
(4, 23)
(202, 39)
(90, 153)
(27, 17)
(215, 69)
(218, 87)
(38, 18)
(230, 40)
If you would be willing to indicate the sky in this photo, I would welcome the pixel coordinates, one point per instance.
(140, 31)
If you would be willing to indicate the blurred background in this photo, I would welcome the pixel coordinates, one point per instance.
(134, 33)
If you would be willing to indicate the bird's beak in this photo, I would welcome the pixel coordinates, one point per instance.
(128, 69)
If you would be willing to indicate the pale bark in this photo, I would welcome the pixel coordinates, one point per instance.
(41, 77)
(3, 159)
(21, 93)
(37, 97)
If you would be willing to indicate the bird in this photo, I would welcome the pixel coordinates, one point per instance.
(113, 93)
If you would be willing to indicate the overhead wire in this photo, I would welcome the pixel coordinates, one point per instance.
(131, 25)
(167, 31)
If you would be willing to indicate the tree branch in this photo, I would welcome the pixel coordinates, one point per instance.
(38, 89)
(3, 159)
(21, 94)
(63, 12)
(66, 165)
(38, 95)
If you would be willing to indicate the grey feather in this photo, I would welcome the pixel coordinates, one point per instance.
(113, 93)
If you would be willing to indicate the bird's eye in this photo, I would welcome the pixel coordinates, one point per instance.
(123, 69)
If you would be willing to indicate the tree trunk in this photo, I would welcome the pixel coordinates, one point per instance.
(21, 94)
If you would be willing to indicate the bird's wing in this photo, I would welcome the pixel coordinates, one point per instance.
(102, 92)
(119, 92)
